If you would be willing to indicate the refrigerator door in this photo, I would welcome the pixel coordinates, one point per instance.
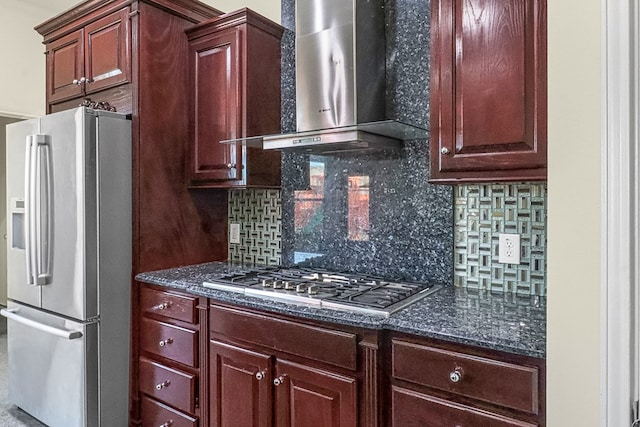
(52, 366)
(17, 223)
(70, 285)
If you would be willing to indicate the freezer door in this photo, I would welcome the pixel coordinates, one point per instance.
(53, 372)
(18, 286)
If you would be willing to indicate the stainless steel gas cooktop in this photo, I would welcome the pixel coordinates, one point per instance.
(354, 292)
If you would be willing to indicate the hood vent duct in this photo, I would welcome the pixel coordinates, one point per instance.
(340, 81)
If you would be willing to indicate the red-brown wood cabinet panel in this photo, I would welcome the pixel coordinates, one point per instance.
(306, 396)
(90, 59)
(65, 66)
(154, 414)
(240, 387)
(413, 409)
(216, 65)
(107, 59)
(488, 90)
(235, 93)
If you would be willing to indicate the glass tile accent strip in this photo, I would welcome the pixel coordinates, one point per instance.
(482, 212)
(259, 213)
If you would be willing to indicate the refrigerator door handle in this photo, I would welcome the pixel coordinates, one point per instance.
(38, 210)
(11, 313)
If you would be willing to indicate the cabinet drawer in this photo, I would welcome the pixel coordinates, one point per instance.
(170, 341)
(320, 344)
(169, 305)
(156, 414)
(504, 384)
(409, 408)
(168, 385)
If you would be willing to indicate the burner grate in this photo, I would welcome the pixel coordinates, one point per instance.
(347, 291)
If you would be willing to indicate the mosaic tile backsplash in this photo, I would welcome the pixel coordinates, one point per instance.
(259, 214)
(482, 212)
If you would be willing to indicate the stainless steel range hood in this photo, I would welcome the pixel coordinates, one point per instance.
(340, 80)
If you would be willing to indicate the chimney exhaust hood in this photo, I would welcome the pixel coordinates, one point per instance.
(340, 81)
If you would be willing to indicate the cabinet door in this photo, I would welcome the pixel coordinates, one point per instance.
(240, 387)
(306, 396)
(488, 89)
(65, 59)
(107, 52)
(217, 100)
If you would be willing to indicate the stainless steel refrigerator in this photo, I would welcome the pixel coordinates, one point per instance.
(69, 267)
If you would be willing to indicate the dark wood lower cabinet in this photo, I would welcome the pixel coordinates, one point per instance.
(156, 414)
(438, 384)
(240, 387)
(414, 409)
(305, 396)
(264, 371)
(248, 388)
(250, 368)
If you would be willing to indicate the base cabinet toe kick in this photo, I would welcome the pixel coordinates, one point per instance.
(205, 363)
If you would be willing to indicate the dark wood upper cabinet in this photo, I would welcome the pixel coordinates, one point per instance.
(488, 90)
(90, 59)
(65, 65)
(235, 93)
(107, 59)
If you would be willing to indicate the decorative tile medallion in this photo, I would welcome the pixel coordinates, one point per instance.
(482, 212)
(259, 214)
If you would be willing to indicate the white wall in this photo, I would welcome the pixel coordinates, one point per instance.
(268, 8)
(574, 265)
(22, 81)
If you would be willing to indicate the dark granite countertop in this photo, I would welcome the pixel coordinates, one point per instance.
(498, 321)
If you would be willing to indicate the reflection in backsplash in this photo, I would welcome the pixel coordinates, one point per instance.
(358, 207)
(368, 212)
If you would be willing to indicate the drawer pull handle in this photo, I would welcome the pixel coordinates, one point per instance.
(167, 424)
(165, 342)
(162, 385)
(456, 375)
(260, 375)
(279, 381)
(163, 306)
(445, 151)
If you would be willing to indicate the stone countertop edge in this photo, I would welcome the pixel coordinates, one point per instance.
(496, 321)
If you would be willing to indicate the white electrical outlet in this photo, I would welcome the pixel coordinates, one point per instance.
(234, 233)
(509, 248)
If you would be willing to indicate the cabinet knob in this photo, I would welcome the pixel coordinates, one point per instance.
(165, 342)
(456, 375)
(231, 165)
(163, 384)
(278, 381)
(167, 424)
(164, 305)
(445, 150)
(260, 375)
